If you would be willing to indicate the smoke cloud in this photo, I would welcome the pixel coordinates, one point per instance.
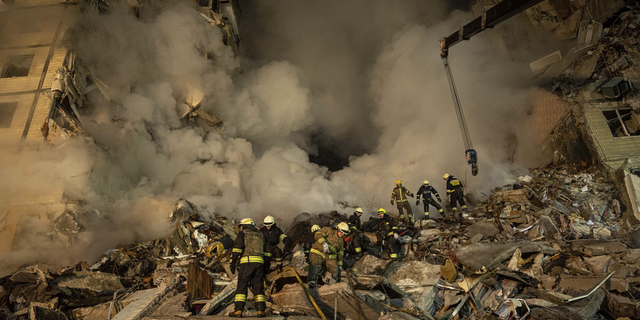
(365, 76)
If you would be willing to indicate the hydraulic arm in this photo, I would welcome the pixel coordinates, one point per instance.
(489, 19)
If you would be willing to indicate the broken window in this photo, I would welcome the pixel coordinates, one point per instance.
(17, 66)
(623, 122)
(7, 109)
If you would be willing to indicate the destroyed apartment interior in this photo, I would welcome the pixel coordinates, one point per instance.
(208, 159)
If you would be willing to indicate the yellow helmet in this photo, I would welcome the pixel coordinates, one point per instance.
(269, 220)
(247, 221)
(315, 228)
(426, 183)
(214, 249)
(382, 211)
(446, 176)
(343, 227)
(359, 210)
(398, 182)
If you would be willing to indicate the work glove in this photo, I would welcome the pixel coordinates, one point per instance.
(233, 268)
(325, 247)
(395, 236)
(417, 202)
(439, 200)
(411, 195)
(391, 202)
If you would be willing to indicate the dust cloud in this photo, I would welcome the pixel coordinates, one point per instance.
(366, 76)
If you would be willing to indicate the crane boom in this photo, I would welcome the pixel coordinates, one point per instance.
(489, 19)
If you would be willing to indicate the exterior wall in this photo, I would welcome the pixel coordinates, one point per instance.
(614, 152)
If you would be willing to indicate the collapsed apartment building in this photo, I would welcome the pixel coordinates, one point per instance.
(560, 243)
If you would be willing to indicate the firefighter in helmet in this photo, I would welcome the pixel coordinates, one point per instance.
(273, 235)
(310, 240)
(455, 192)
(247, 256)
(356, 236)
(389, 232)
(426, 192)
(400, 194)
(329, 249)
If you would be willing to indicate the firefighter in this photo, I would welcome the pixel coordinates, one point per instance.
(427, 199)
(329, 249)
(247, 256)
(273, 235)
(355, 225)
(310, 240)
(455, 193)
(400, 194)
(389, 232)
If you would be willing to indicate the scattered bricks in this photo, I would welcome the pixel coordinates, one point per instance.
(370, 265)
(621, 271)
(599, 247)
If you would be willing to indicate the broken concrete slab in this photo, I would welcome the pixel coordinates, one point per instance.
(574, 284)
(370, 265)
(491, 255)
(485, 228)
(141, 302)
(373, 282)
(292, 296)
(91, 280)
(221, 300)
(413, 273)
(599, 264)
(599, 247)
(543, 63)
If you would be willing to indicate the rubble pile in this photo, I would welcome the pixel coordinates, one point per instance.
(604, 64)
(550, 246)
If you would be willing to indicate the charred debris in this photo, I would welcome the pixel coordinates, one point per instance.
(554, 245)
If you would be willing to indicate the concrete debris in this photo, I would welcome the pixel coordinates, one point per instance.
(527, 247)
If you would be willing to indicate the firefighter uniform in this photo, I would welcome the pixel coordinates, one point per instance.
(388, 229)
(332, 258)
(247, 256)
(455, 193)
(427, 199)
(356, 236)
(273, 236)
(310, 240)
(400, 194)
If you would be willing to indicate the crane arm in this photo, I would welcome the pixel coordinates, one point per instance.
(489, 19)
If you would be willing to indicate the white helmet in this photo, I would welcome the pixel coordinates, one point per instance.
(315, 228)
(359, 211)
(343, 227)
(247, 221)
(269, 220)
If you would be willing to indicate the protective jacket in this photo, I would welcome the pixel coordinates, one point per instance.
(355, 224)
(426, 192)
(336, 245)
(454, 185)
(388, 226)
(273, 237)
(248, 247)
(400, 194)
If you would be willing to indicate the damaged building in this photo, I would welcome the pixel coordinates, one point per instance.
(561, 242)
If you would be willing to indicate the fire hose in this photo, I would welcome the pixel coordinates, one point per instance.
(306, 292)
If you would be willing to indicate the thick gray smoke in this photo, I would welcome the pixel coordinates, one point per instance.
(366, 75)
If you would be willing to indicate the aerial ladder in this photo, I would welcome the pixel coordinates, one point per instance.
(489, 19)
